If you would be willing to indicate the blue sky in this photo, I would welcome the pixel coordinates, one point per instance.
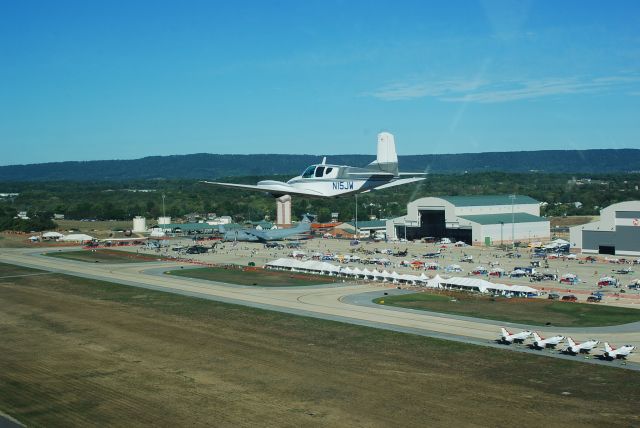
(125, 79)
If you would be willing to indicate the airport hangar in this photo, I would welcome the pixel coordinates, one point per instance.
(616, 233)
(475, 220)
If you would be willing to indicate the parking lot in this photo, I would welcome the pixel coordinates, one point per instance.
(580, 274)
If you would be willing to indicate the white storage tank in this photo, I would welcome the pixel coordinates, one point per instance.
(164, 220)
(139, 224)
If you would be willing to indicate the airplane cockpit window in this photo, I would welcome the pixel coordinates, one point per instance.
(328, 171)
(308, 173)
(319, 171)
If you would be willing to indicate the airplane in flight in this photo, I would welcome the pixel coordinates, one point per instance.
(327, 181)
(302, 230)
(540, 342)
(508, 337)
(612, 353)
(580, 348)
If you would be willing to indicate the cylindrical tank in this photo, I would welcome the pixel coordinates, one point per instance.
(139, 224)
(164, 220)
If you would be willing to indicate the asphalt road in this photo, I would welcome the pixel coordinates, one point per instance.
(340, 302)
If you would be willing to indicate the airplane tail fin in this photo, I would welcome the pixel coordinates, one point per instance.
(504, 331)
(571, 342)
(387, 158)
(536, 336)
(607, 347)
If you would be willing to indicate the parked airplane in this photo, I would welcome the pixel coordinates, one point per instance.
(508, 337)
(326, 180)
(302, 230)
(541, 343)
(580, 348)
(612, 353)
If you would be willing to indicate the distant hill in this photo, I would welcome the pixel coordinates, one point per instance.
(209, 166)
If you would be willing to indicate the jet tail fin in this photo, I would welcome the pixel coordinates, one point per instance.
(504, 331)
(571, 342)
(387, 158)
(607, 347)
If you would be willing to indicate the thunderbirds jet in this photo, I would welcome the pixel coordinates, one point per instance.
(254, 235)
(540, 342)
(508, 337)
(611, 353)
(580, 348)
(326, 181)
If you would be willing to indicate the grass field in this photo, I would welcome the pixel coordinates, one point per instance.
(524, 311)
(100, 256)
(78, 352)
(259, 277)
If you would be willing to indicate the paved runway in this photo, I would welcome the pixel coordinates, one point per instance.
(341, 302)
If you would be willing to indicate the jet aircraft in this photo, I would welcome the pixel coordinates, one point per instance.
(580, 348)
(540, 342)
(612, 353)
(508, 337)
(326, 180)
(302, 230)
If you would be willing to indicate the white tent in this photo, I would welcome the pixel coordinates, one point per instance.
(76, 237)
(434, 282)
(477, 284)
(52, 235)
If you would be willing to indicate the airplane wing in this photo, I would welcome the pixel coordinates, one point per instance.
(371, 173)
(399, 182)
(412, 173)
(277, 188)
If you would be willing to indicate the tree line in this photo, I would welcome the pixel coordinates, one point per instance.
(122, 200)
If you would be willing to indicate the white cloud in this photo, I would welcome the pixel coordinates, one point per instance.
(485, 91)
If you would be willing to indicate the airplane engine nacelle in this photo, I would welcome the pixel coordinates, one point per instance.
(537, 344)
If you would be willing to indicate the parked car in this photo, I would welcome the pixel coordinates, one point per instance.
(569, 298)
(594, 299)
(554, 296)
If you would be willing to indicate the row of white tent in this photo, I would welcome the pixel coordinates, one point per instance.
(470, 284)
(56, 236)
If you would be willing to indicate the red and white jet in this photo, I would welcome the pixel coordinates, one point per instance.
(508, 337)
(580, 348)
(542, 343)
(612, 353)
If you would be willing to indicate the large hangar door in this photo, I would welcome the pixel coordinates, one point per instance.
(432, 224)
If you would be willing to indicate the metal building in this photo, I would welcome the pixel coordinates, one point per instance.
(476, 220)
(616, 233)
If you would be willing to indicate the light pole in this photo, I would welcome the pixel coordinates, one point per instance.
(501, 233)
(356, 223)
(513, 225)
(164, 214)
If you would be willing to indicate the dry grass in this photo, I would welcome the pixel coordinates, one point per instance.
(78, 352)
